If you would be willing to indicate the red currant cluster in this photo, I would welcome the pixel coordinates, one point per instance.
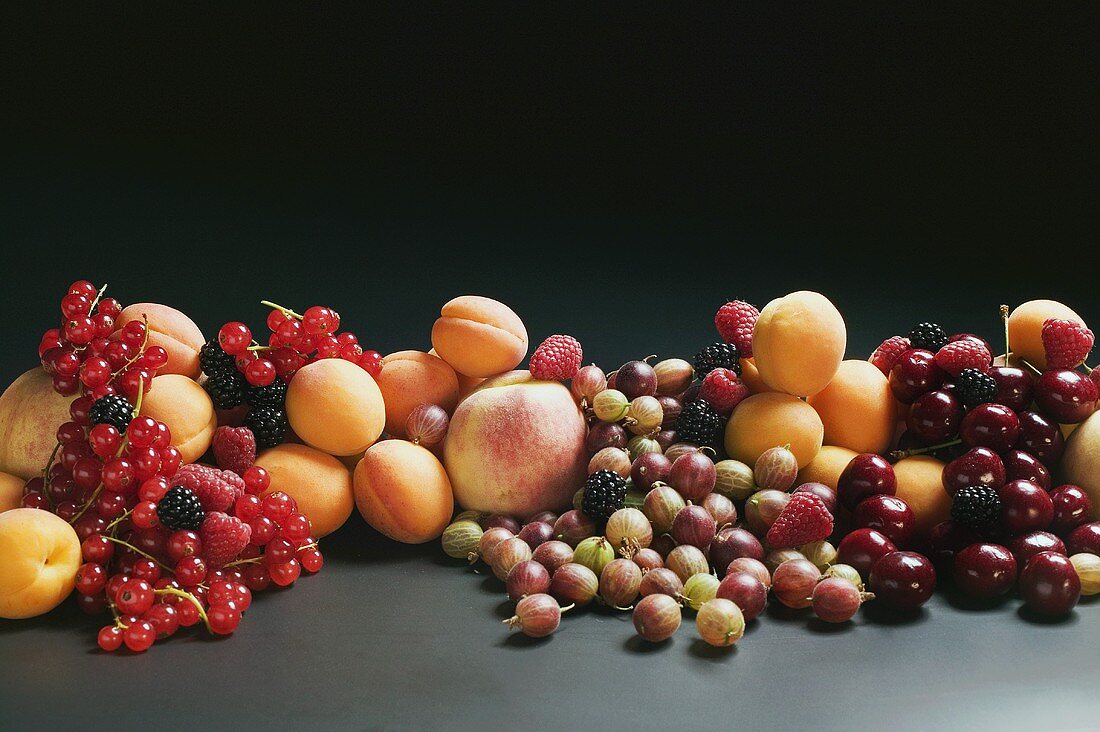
(87, 355)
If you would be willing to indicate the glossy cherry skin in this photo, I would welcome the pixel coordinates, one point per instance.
(1025, 546)
(902, 580)
(889, 515)
(915, 373)
(1066, 396)
(985, 570)
(990, 425)
(1072, 507)
(862, 548)
(948, 538)
(978, 466)
(1025, 506)
(1020, 465)
(1015, 387)
(866, 475)
(1041, 437)
(1049, 584)
(1085, 538)
(935, 417)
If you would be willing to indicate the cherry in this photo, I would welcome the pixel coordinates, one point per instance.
(990, 425)
(1025, 546)
(862, 548)
(948, 538)
(1014, 387)
(1025, 506)
(1072, 507)
(1085, 538)
(1049, 584)
(866, 475)
(889, 515)
(1020, 465)
(1067, 396)
(902, 580)
(985, 570)
(915, 373)
(935, 417)
(979, 466)
(1041, 437)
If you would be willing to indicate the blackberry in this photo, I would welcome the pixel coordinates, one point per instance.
(698, 423)
(975, 387)
(976, 506)
(268, 425)
(928, 336)
(113, 409)
(212, 358)
(717, 355)
(180, 509)
(226, 386)
(272, 395)
(604, 494)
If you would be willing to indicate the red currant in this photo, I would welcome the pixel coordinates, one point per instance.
(90, 578)
(110, 505)
(223, 619)
(96, 371)
(135, 596)
(86, 473)
(256, 480)
(327, 347)
(319, 320)
(278, 505)
(190, 571)
(83, 287)
(155, 357)
(118, 354)
(263, 530)
(74, 304)
(296, 527)
(256, 577)
(153, 489)
(278, 551)
(109, 638)
(70, 432)
(247, 508)
(311, 560)
(170, 460)
(104, 439)
(97, 548)
(187, 613)
(142, 431)
(110, 306)
(133, 334)
(371, 362)
(104, 326)
(285, 575)
(78, 410)
(234, 338)
(145, 515)
(118, 475)
(260, 372)
(139, 636)
(164, 619)
(184, 543)
(79, 330)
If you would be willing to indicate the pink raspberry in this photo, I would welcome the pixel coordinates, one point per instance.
(217, 490)
(234, 448)
(804, 519)
(224, 537)
(965, 353)
(1067, 343)
(888, 353)
(735, 321)
(723, 390)
(557, 358)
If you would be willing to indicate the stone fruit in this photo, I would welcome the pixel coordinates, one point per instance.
(915, 373)
(412, 378)
(1015, 387)
(889, 515)
(11, 491)
(1025, 507)
(985, 570)
(1025, 546)
(798, 343)
(978, 466)
(902, 580)
(1066, 396)
(1020, 465)
(186, 408)
(402, 490)
(1025, 328)
(920, 485)
(862, 548)
(170, 329)
(335, 406)
(827, 466)
(1041, 437)
(857, 408)
(867, 475)
(30, 412)
(1049, 584)
(479, 337)
(1072, 507)
(318, 482)
(763, 421)
(39, 556)
(935, 417)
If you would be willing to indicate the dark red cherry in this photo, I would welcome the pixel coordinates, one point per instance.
(1041, 437)
(985, 570)
(866, 474)
(948, 538)
(990, 425)
(1025, 506)
(1085, 538)
(887, 514)
(1014, 387)
(1020, 465)
(935, 417)
(862, 548)
(1025, 546)
(915, 373)
(1072, 507)
(1066, 396)
(902, 580)
(979, 466)
(1049, 584)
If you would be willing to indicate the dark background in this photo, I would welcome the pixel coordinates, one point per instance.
(614, 172)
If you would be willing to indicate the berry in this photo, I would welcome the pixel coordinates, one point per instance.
(718, 355)
(735, 321)
(268, 424)
(115, 410)
(225, 386)
(260, 372)
(223, 538)
(213, 358)
(966, 353)
(234, 338)
(272, 395)
(234, 448)
(723, 390)
(888, 352)
(217, 490)
(1067, 343)
(557, 358)
(698, 423)
(180, 509)
(976, 387)
(804, 519)
(928, 336)
(976, 506)
(604, 494)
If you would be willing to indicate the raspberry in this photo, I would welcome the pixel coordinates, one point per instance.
(966, 353)
(217, 490)
(224, 537)
(723, 390)
(557, 358)
(735, 321)
(804, 519)
(234, 448)
(888, 352)
(1066, 342)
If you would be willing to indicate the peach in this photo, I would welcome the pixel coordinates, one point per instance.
(857, 408)
(335, 406)
(1081, 461)
(798, 343)
(516, 446)
(319, 482)
(11, 491)
(826, 466)
(402, 490)
(39, 556)
(920, 484)
(1025, 328)
(172, 330)
(771, 419)
(479, 337)
(412, 378)
(30, 413)
(186, 408)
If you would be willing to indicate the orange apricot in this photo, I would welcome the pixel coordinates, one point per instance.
(412, 378)
(826, 466)
(186, 408)
(11, 491)
(1025, 328)
(172, 330)
(798, 343)
(335, 406)
(402, 490)
(39, 556)
(771, 419)
(479, 337)
(857, 408)
(319, 482)
(920, 484)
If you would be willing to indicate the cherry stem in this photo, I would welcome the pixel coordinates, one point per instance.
(902, 454)
(190, 598)
(1030, 367)
(133, 548)
(285, 311)
(1004, 317)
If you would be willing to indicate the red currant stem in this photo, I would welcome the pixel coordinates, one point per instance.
(118, 619)
(242, 562)
(134, 549)
(260, 348)
(1088, 369)
(46, 472)
(1030, 367)
(190, 598)
(99, 488)
(285, 311)
(98, 297)
(125, 515)
(140, 397)
(141, 349)
(902, 454)
(1004, 317)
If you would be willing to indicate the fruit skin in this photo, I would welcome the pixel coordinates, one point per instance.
(320, 483)
(39, 556)
(412, 378)
(798, 343)
(30, 412)
(170, 329)
(857, 408)
(557, 358)
(1065, 395)
(402, 490)
(985, 570)
(1049, 584)
(827, 466)
(765, 420)
(867, 475)
(11, 491)
(735, 322)
(186, 408)
(888, 353)
(804, 519)
(234, 448)
(516, 446)
(902, 580)
(1066, 343)
(1025, 328)
(479, 337)
(1081, 459)
(335, 406)
(920, 484)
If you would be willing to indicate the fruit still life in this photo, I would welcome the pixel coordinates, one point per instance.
(161, 478)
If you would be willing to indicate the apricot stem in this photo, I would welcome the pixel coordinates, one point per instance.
(285, 311)
(902, 454)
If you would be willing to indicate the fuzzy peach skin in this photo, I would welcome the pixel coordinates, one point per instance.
(516, 446)
(826, 466)
(172, 330)
(771, 419)
(798, 343)
(920, 484)
(402, 490)
(11, 491)
(857, 408)
(335, 406)
(319, 482)
(1025, 328)
(412, 378)
(30, 413)
(479, 337)
(186, 408)
(39, 556)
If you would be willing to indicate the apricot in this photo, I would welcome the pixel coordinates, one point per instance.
(319, 482)
(920, 484)
(172, 330)
(412, 378)
(186, 408)
(1025, 328)
(1081, 460)
(335, 406)
(466, 384)
(751, 376)
(857, 408)
(771, 419)
(402, 490)
(30, 413)
(11, 491)
(39, 556)
(798, 343)
(479, 337)
(826, 466)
